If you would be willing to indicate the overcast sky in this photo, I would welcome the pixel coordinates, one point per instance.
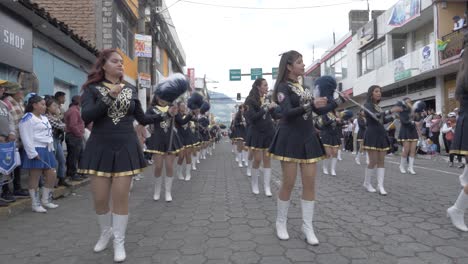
(217, 39)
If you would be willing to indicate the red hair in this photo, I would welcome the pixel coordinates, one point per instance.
(97, 74)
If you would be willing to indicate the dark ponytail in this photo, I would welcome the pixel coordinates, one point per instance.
(32, 100)
(254, 92)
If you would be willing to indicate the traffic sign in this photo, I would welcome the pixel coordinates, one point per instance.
(255, 73)
(274, 73)
(235, 75)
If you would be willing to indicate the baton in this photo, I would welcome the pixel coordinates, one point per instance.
(360, 105)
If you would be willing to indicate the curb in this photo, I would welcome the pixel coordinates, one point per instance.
(24, 204)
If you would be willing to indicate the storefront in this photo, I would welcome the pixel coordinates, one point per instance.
(15, 47)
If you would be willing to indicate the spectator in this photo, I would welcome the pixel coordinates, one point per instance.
(436, 123)
(7, 134)
(38, 156)
(448, 131)
(13, 98)
(74, 137)
(60, 97)
(58, 128)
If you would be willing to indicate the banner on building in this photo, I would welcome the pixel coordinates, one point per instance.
(427, 59)
(367, 34)
(143, 46)
(144, 79)
(191, 77)
(402, 68)
(404, 11)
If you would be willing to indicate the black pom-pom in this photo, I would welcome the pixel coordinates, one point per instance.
(326, 86)
(419, 107)
(205, 107)
(171, 88)
(195, 101)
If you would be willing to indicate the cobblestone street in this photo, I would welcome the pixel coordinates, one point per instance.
(216, 219)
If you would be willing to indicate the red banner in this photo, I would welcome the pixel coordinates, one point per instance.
(191, 76)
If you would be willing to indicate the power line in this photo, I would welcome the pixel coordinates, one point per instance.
(270, 8)
(159, 12)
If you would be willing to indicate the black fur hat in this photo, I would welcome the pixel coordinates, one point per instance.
(419, 106)
(326, 86)
(346, 114)
(205, 107)
(171, 88)
(204, 122)
(195, 101)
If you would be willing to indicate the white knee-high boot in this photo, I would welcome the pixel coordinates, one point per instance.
(380, 180)
(457, 211)
(333, 166)
(367, 180)
(47, 199)
(266, 181)
(410, 166)
(307, 218)
(194, 163)
(339, 154)
(403, 164)
(464, 176)
(105, 225)
(254, 181)
(119, 228)
(239, 159)
(367, 158)
(168, 188)
(325, 166)
(245, 157)
(249, 169)
(36, 202)
(157, 188)
(188, 174)
(282, 219)
(180, 176)
(357, 159)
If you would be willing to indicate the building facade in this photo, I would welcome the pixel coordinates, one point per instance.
(41, 52)
(403, 53)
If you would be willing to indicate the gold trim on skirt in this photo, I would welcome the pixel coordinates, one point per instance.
(288, 159)
(459, 152)
(331, 146)
(408, 140)
(110, 174)
(163, 153)
(260, 149)
(378, 149)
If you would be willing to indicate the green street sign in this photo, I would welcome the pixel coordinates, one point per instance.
(255, 73)
(274, 73)
(235, 75)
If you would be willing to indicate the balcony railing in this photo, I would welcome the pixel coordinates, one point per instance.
(454, 45)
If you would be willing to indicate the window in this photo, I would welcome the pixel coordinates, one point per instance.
(123, 34)
(337, 65)
(373, 58)
(399, 46)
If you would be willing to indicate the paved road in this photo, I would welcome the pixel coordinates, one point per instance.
(215, 219)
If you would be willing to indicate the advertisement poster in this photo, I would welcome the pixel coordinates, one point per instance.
(191, 77)
(143, 46)
(427, 60)
(145, 80)
(402, 68)
(404, 11)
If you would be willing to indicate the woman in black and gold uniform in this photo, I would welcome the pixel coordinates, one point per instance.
(182, 124)
(260, 133)
(376, 140)
(296, 142)
(158, 144)
(330, 130)
(239, 133)
(459, 144)
(362, 123)
(408, 136)
(112, 154)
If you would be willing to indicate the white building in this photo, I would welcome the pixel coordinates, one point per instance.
(404, 59)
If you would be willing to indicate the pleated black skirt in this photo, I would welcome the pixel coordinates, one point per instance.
(259, 140)
(112, 155)
(158, 143)
(460, 140)
(408, 133)
(376, 138)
